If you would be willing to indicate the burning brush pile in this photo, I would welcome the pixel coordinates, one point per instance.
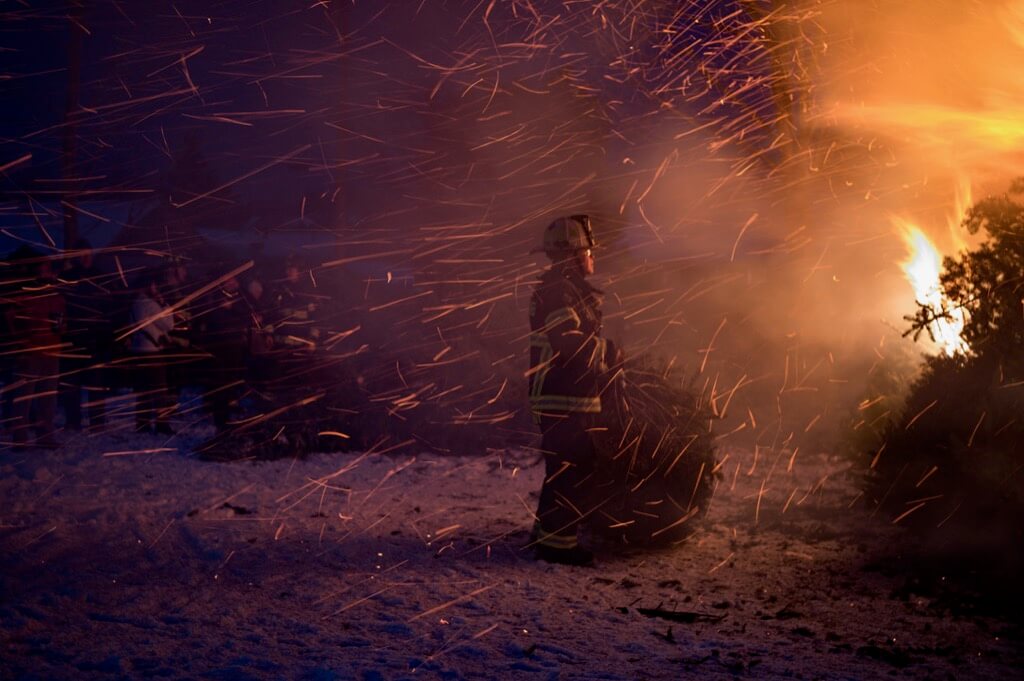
(948, 461)
(656, 467)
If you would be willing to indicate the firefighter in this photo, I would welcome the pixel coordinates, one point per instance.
(570, 363)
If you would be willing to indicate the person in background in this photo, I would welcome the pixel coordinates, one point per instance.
(151, 324)
(260, 360)
(173, 284)
(11, 281)
(174, 288)
(223, 332)
(88, 331)
(36, 318)
(295, 305)
(292, 316)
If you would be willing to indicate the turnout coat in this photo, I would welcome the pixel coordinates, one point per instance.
(568, 356)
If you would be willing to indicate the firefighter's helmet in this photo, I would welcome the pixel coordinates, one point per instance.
(568, 234)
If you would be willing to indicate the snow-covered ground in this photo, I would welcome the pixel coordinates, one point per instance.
(124, 563)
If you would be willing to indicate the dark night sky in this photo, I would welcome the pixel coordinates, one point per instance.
(137, 102)
(270, 78)
(435, 139)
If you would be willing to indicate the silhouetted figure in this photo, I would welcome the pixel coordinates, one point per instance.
(11, 280)
(295, 306)
(84, 367)
(36, 319)
(174, 289)
(152, 322)
(292, 322)
(569, 364)
(223, 331)
(260, 361)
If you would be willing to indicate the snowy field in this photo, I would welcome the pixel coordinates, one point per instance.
(119, 563)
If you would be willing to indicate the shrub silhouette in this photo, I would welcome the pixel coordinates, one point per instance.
(952, 459)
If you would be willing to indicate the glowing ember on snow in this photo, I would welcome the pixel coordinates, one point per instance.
(922, 268)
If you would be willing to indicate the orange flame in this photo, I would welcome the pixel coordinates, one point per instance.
(923, 267)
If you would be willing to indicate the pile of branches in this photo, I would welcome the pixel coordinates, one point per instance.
(950, 461)
(949, 464)
(656, 459)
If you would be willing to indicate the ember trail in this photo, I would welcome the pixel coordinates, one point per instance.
(369, 340)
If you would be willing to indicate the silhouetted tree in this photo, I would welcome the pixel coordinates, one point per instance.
(949, 462)
(988, 282)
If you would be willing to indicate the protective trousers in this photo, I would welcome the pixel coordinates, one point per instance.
(569, 461)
